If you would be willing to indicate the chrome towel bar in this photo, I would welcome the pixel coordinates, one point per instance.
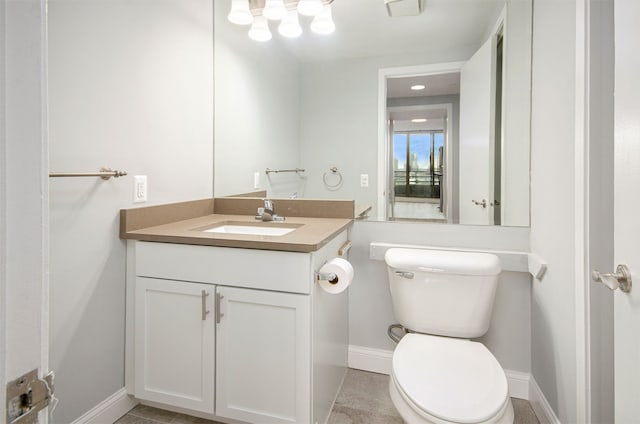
(276, 171)
(104, 173)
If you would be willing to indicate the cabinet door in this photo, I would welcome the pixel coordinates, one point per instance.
(263, 353)
(175, 343)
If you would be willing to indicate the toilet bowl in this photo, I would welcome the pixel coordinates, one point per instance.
(444, 380)
(438, 375)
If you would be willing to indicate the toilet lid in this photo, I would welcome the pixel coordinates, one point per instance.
(452, 379)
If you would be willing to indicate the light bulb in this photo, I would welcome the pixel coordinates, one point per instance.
(240, 13)
(290, 25)
(310, 7)
(260, 29)
(323, 23)
(274, 10)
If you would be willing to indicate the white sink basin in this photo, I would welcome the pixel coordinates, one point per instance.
(250, 230)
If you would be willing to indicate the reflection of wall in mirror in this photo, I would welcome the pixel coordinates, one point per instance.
(340, 120)
(516, 114)
(256, 112)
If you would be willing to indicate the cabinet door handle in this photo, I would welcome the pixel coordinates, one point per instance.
(219, 313)
(204, 305)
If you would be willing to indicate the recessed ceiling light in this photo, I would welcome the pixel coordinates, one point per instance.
(417, 87)
(419, 120)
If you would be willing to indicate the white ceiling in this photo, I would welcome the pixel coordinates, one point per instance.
(363, 29)
(435, 85)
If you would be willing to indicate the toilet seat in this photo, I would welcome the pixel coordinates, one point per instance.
(450, 380)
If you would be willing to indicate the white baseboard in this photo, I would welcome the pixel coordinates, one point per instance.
(109, 410)
(519, 383)
(368, 359)
(540, 405)
(379, 360)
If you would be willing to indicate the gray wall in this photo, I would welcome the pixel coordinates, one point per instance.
(370, 310)
(553, 310)
(131, 87)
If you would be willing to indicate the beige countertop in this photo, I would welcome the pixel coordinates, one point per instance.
(310, 233)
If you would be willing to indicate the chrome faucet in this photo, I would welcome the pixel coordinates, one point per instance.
(267, 213)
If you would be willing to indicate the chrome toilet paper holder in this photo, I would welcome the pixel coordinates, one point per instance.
(325, 276)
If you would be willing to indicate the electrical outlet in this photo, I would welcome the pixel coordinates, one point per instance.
(364, 180)
(139, 188)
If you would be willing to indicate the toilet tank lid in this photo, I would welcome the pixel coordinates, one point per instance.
(452, 262)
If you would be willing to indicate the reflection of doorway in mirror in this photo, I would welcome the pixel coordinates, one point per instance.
(421, 138)
(434, 107)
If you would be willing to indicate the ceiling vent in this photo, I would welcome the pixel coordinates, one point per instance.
(397, 8)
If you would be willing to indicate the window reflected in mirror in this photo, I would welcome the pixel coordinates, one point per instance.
(417, 171)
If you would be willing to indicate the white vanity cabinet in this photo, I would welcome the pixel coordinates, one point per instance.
(263, 356)
(174, 343)
(237, 334)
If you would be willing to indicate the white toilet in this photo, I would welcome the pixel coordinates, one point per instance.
(438, 375)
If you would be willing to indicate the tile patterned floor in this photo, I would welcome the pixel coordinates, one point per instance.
(364, 399)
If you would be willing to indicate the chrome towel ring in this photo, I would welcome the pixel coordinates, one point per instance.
(333, 172)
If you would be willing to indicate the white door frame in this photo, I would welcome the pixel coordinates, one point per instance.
(383, 145)
(24, 191)
(582, 279)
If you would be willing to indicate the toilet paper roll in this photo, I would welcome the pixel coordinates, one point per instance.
(343, 275)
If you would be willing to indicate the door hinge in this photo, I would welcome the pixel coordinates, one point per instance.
(28, 395)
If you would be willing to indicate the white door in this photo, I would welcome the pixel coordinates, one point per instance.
(263, 356)
(24, 225)
(477, 110)
(627, 224)
(175, 343)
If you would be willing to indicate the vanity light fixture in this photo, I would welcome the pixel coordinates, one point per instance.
(418, 87)
(310, 7)
(260, 29)
(257, 12)
(323, 22)
(240, 13)
(419, 120)
(274, 10)
(290, 24)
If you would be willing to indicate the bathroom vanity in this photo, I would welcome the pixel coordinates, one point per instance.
(233, 327)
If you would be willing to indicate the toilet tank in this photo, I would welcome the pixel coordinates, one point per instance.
(443, 293)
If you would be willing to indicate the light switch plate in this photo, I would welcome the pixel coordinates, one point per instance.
(139, 188)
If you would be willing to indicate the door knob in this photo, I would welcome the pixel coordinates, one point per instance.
(620, 279)
(483, 203)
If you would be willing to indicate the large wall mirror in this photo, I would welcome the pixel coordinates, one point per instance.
(340, 109)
